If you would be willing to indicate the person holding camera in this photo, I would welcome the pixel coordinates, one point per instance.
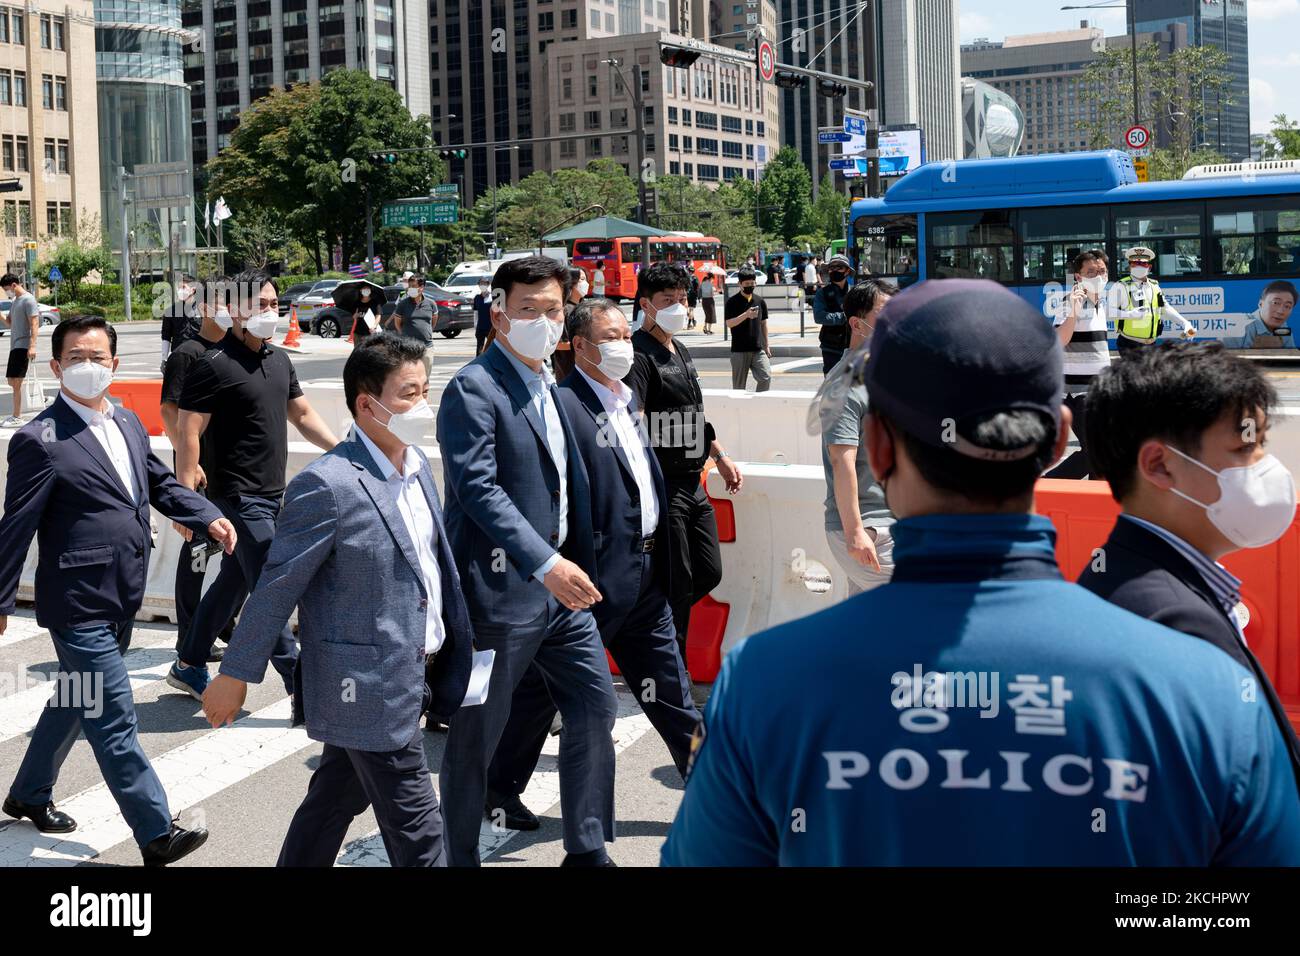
(746, 316)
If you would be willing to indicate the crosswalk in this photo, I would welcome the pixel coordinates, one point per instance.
(241, 782)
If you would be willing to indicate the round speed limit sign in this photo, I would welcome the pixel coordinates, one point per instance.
(1137, 137)
(766, 61)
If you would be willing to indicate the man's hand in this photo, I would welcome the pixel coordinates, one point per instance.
(571, 586)
(730, 473)
(1077, 298)
(31, 354)
(200, 477)
(185, 533)
(863, 549)
(223, 699)
(223, 533)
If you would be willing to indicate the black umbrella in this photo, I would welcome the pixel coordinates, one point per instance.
(347, 295)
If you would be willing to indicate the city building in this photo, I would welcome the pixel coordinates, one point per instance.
(1224, 123)
(245, 49)
(486, 61)
(48, 123)
(144, 115)
(920, 80)
(710, 123)
(993, 125)
(1043, 73)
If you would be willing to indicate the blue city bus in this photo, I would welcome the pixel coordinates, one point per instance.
(1226, 238)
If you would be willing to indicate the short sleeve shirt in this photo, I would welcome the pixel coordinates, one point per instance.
(247, 394)
(20, 320)
(846, 429)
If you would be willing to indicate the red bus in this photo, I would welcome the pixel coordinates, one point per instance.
(621, 258)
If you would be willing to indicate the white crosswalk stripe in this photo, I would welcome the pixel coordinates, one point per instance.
(543, 791)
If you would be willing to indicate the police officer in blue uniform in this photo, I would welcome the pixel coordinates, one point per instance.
(978, 709)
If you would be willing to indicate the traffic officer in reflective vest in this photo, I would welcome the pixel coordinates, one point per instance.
(1140, 304)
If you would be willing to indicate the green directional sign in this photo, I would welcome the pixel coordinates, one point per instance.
(434, 212)
(446, 189)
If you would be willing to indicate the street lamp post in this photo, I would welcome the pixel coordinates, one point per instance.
(492, 168)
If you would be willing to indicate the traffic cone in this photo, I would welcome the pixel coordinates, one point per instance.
(291, 337)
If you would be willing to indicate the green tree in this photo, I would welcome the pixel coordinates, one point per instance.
(1172, 89)
(786, 191)
(828, 211)
(1285, 139)
(542, 201)
(257, 237)
(306, 154)
(77, 256)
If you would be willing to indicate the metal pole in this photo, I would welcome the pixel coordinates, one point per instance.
(640, 156)
(126, 246)
(370, 230)
(872, 100)
(1132, 18)
(492, 177)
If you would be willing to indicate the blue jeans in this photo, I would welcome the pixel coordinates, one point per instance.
(95, 697)
(254, 521)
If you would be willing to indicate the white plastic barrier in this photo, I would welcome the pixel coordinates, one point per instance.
(763, 427)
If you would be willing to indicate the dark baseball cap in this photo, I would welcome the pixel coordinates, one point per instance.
(950, 352)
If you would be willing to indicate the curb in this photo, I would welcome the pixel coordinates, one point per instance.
(723, 350)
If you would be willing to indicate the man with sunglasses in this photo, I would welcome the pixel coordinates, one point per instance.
(1140, 305)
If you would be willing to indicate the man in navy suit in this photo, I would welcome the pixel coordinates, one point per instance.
(519, 520)
(1180, 438)
(81, 478)
(629, 515)
(360, 550)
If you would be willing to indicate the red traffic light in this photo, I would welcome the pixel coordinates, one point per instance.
(678, 57)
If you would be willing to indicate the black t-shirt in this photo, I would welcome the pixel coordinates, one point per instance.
(179, 362)
(667, 389)
(750, 335)
(247, 394)
(180, 322)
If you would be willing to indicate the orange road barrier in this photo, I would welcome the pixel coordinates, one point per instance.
(142, 396)
(294, 333)
(1084, 513)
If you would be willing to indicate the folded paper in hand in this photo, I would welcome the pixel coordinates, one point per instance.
(479, 676)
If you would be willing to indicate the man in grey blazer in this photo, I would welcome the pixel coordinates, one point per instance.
(361, 551)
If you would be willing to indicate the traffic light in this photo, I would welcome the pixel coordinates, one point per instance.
(389, 158)
(11, 185)
(678, 57)
(452, 153)
(831, 88)
(790, 81)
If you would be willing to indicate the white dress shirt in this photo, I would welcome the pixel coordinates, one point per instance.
(413, 506)
(540, 386)
(615, 402)
(108, 433)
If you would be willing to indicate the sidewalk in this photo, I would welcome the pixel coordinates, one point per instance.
(782, 332)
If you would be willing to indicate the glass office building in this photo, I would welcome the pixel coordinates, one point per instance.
(144, 108)
(1224, 123)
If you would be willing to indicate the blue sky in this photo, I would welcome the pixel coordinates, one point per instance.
(1274, 52)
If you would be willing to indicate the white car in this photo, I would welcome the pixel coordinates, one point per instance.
(49, 315)
(321, 296)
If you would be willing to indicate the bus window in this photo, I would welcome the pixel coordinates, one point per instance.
(1257, 236)
(1051, 239)
(972, 245)
(885, 245)
(631, 250)
(1171, 231)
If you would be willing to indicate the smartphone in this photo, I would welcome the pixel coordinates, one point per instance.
(203, 548)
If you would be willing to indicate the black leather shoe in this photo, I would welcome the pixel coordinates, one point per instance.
(172, 846)
(593, 858)
(216, 654)
(46, 818)
(518, 816)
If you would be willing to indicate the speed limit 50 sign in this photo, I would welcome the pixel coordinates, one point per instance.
(1137, 137)
(766, 61)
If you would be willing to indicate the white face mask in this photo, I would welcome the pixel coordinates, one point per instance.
(223, 319)
(86, 380)
(1256, 502)
(411, 426)
(615, 358)
(583, 288)
(1139, 272)
(1096, 285)
(413, 291)
(535, 339)
(262, 325)
(671, 318)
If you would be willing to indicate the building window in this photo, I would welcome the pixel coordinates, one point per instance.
(49, 157)
(546, 21)
(24, 217)
(6, 88)
(594, 148)
(24, 163)
(567, 123)
(8, 150)
(566, 88)
(686, 117)
(20, 88)
(687, 144)
(595, 19)
(64, 164)
(569, 19)
(47, 32)
(708, 173)
(61, 93)
(593, 88)
(568, 149)
(674, 169)
(673, 144)
(672, 114)
(19, 27)
(47, 91)
(592, 119)
(60, 42)
(4, 26)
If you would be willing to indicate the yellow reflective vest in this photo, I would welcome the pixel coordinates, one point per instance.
(1147, 327)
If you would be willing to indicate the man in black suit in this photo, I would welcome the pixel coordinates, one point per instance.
(1178, 430)
(629, 503)
(82, 478)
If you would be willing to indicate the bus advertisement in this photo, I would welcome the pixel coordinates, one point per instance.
(620, 259)
(1226, 239)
